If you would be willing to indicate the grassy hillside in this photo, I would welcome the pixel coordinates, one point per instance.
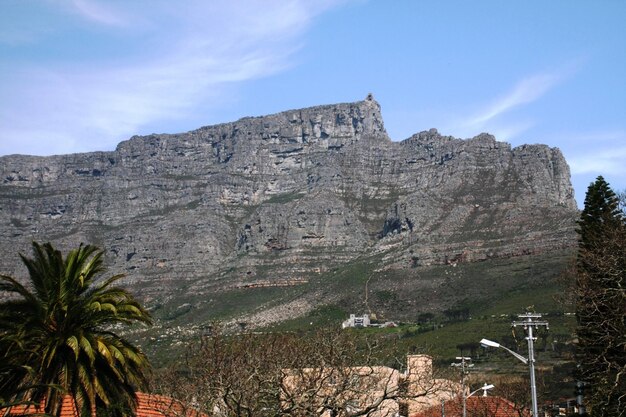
(490, 291)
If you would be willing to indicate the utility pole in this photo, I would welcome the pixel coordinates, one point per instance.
(464, 371)
(580, 387)
(530, 321)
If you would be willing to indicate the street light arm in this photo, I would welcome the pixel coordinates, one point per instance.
(491, 343)
(484, 388)
(473, 392)
(517, 355)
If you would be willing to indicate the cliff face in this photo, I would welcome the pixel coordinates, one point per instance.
(281, 197)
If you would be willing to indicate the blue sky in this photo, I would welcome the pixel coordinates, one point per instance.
(82, 75)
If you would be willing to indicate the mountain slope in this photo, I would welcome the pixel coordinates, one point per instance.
(274, 205)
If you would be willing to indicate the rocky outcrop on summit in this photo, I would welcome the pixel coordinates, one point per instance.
(286, 196)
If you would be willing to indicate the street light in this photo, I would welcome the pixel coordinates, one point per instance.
(464, 371)
(484, 388)
(529, 321)
(533, 388)
(490, 343)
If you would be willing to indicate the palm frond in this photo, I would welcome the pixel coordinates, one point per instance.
(60, 331)
(10, 284)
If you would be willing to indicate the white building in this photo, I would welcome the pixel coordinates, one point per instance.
(356, 321)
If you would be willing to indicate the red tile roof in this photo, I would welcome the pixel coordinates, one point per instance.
(148, 405)
(68, 409)
(476, 407)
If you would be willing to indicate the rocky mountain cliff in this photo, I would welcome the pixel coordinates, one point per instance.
(276, 200)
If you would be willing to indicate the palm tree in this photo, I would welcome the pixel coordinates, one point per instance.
(58, 333)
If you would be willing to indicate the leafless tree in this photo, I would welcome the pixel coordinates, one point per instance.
(601, 300)
(601, 311)
(328, 373)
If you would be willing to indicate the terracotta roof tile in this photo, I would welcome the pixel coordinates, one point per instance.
(475, 406)
(148, 405)
(68, 409)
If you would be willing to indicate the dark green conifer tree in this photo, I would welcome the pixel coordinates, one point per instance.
(601, 214)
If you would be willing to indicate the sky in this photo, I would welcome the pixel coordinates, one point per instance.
(83, 75)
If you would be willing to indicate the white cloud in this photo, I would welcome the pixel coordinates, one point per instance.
(99, 12)
(495, 118)
(524, 92)
(588, 152)
(606, 161)
(591, 139)
(193, 53)
(593, 153)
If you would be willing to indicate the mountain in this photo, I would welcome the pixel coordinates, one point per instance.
(263, 214)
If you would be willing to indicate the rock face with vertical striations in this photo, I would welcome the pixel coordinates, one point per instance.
(285, 197)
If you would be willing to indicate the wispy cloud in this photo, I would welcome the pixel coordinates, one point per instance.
(601, 163)
(524, 92)
(593, 152)
(189, 55)
(100, 13)
(592, 139)
(492, 117)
